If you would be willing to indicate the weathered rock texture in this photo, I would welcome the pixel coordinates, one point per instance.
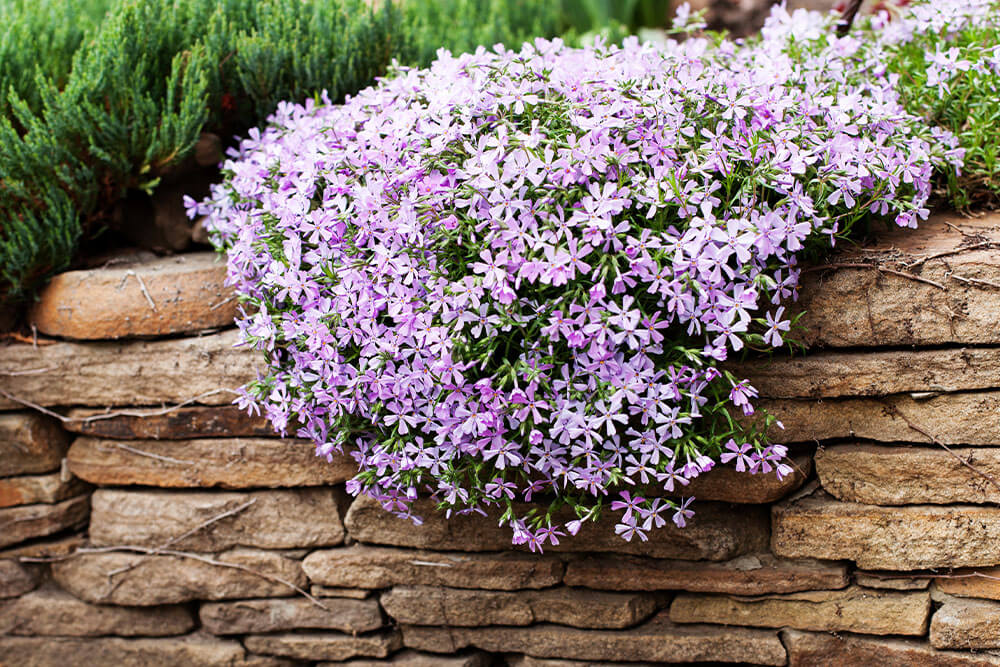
(267, 519)
(810, 649)
(323, 645)
(31, 489)
(224, 421)
(966, 624)
(25, 522)
(226, 462)
(163, 296)
(717, 532)
(726, 484)
(16, 579)
(29, 443)
(981, 582)
(275, 615)
(894, 475)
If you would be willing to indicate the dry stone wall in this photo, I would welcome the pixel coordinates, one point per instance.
(133, 531)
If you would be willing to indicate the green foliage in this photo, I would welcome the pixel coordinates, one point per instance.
(98, 108)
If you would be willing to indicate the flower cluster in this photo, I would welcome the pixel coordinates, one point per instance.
(512, 277)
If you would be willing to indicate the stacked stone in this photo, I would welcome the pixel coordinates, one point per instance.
(211, 541)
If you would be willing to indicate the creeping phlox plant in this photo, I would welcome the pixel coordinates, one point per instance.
(511, 278)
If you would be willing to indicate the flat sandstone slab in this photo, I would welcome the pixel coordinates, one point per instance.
(324, 645)
(971, 418)
(53, 612)
(31, 489)
(361, 566)
(966, 624)
(753, 574)
(195, 649)
(980, 582)
(16, 579)
(717, 532)
(25, 522)
(30, 443)
(142, 580)
(277, 519)
(846, 306)
(853, 609)
(895, 475)
(657, 640)
(887, 538)
(168, 295)
(833, 374)
(218, 421)
(275, 615)
(231, 463)
(128, 373)
(434, 605)
(810, 649)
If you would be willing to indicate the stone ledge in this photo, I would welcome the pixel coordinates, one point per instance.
(876, 475)
(324, 645)
(276, 615)
(966, 624)
(887, 538)
(980, 582)
(32, 489)
(29, 442)
(223, 421)
(286, 519)
(657, 640)
(16, 579)
(809, 649)
(127, 373)
(725, 484)
(753, 574)
(188, 294)
(231, 463)
(25, 522)
(853, 609)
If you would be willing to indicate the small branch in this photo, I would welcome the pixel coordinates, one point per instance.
(882, 269)
(142, 286)
(949, 253)
(847, 18)
(220, 304)
(108, 415)
(974, 281)
(165, 459)
(33, 371)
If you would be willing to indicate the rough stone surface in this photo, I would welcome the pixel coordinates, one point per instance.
(32, 489)
(966, 624)
(29, 443)
(971, 418)
(224, 421)
(24, 522)
(850, 610)
(16, 579)
(887, 538)
(724, 483)
(155, 580)
(893, 581)
(429, 605)
(196, 649)
(528, 661)
(50, 611)
(274, 615)
(323, 645)
(417, 659)
(52, 547)
(128, 372)
(832, 374)
(753, 574)
(188, 293)
(225, 462)
(717, 532)
(360, 566)
(657, 640)
(982, 582)
(286, 519)
(893, 475)
(335, 592)
(810, 649)
(867, 307)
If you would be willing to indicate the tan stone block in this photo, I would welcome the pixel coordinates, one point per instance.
(895, 475)
(285, 519)
(24, 522)
(226, 462)
(717, 532)
(335, 592)
(143, 580)
(30, 443)
(853, 609)
(430, 605)
(360, 566)
(188, 294)
(657, 640)
(893, 581)
(417, 659)
(16, 579)
(53, 547)
(872, 373)
(971, 418)
(51, 611)
(324, 645)
(810, 649)
(981, 582)
(966, 624)
(128, 372)
(32, 489)
(219, 421)
(753, 574)
(887, 538)
(528, 661)
(867, 307)
(275, 615)
(195, 649)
